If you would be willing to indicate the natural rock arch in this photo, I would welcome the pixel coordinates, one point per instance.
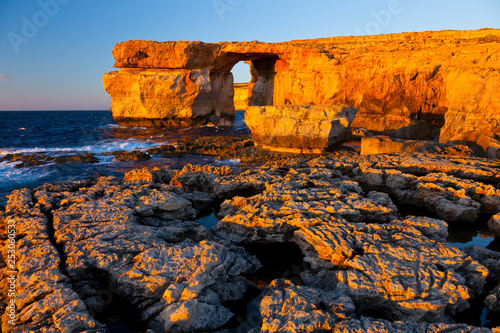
(391, 79)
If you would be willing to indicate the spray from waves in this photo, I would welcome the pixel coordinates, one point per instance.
(122, 127)
(99, 148)
(18, 178)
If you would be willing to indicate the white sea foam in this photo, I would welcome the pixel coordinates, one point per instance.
(99, 148)
(120, 126)
(231, 161)
(12, 176)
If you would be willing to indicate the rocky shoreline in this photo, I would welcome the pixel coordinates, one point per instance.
(94, 251)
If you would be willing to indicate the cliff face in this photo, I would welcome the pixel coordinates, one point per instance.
(446, 76)
(240, 96)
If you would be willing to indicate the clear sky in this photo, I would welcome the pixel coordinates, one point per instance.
(53, 53)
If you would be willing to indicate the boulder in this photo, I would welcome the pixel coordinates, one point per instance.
(300, 128)
(490, 144)
(386, 145)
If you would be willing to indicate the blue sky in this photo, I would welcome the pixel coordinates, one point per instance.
(53, 53)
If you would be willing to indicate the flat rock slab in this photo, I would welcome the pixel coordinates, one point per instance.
(300, 198)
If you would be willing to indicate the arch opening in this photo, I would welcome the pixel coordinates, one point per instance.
(260, 88)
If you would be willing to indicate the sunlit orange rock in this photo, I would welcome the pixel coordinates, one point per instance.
(446, 77)
(391, 267)
(303, 129)
(240, 96)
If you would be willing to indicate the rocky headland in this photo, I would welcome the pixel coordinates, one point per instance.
(449, 79)
(133, 249)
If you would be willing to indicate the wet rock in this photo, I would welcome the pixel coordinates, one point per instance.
(78, 158)
(286, 307)
(31, 160)
(26, 161)
(225, 147)
(124, 156)
(393, 267)
(494, 224)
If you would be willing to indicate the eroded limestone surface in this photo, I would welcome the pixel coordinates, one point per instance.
(393, 268)
(135, 240)
(288, 308)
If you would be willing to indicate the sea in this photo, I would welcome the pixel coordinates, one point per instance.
(57, 133)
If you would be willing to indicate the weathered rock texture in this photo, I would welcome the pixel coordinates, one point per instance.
(393, 267)
(300, 128)
(391, 79)
(87, 248)
(83, 245)
(240, 96)
(387, 145)
(287, 308)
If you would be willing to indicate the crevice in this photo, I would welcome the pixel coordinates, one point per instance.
(118, 313)
(279, 260)
(246, 311)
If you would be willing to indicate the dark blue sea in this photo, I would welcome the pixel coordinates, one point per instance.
(57, 133)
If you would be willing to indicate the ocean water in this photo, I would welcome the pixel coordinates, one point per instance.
(57, 133)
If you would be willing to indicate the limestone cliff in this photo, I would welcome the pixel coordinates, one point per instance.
(444, 76)
(240, 96)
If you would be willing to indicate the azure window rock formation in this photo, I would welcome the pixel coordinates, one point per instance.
(450, 78)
